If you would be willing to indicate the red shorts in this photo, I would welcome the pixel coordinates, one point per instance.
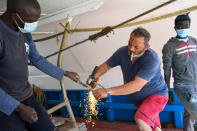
(151, 107)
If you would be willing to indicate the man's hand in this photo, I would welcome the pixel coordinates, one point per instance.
(171, 97)
(100, 93)
(72, 75)
(27, 113)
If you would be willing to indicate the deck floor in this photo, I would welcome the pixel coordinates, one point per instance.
(104, 125)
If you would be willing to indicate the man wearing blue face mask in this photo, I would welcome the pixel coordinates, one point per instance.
(28, 27)
(180, 55)
(19, 110)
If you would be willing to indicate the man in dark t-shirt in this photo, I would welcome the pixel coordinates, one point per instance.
(143, 82)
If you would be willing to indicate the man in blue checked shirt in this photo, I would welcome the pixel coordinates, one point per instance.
(19, 110)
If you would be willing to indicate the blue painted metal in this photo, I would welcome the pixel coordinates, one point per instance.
(113, 108)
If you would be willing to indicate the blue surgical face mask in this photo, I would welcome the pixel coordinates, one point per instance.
(28, 27)
(182, 32)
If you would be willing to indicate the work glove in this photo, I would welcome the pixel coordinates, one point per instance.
(171, 97)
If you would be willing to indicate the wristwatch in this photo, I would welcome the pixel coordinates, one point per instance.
(108, 92)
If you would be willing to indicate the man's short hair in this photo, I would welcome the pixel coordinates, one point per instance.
(20, 5)
(141, 32)
(182, 17)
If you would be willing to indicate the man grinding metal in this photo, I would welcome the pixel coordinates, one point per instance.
(144, 84)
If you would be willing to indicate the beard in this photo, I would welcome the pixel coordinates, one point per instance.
(131, 53)
(134, 55)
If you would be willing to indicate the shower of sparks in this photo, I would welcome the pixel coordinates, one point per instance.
(90, 109)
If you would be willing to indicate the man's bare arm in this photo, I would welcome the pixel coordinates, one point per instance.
(102, 70)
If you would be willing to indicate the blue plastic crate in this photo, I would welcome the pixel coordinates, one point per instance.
(176, 99)
(55, 97)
